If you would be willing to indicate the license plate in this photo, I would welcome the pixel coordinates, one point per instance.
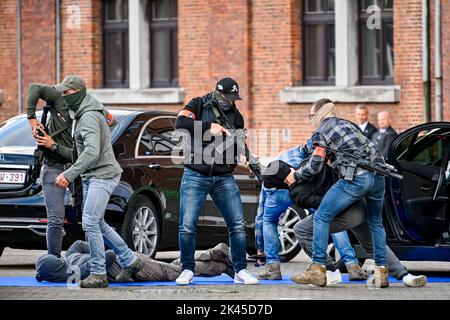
(13, 177)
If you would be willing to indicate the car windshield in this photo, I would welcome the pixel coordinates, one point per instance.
(16, 132)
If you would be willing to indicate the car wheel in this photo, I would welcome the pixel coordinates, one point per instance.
(289, 246)
(141, 228)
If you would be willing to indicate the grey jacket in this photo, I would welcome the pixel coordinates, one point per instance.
(93, 142)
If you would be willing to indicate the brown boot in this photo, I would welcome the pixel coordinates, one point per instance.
(316, 274)
(380, 278)
(270, 271)
(355, 272)
(95, 281)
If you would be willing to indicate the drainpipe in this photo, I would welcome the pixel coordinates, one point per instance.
(426, 60)
(438, 61)
(58, 41)
(19, 55)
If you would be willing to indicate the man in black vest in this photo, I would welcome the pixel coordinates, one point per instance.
(208, 170)
(362, 120)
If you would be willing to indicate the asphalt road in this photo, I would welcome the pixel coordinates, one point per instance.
(21, 263)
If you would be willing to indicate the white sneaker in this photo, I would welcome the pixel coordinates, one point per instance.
(245, 277)
(334, 277)
(414, 281)
(369, 266)
(185, 278)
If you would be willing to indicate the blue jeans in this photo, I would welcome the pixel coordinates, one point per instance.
(340, 196)
(259, 238)
(226, 196)
(96, 196)
(276, 201)
(54, 204)
(343, 246)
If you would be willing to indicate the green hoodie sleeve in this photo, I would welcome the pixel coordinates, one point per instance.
(38, 91)
(64, 151)
(90, 127)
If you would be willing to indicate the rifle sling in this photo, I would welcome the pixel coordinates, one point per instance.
(60, 130)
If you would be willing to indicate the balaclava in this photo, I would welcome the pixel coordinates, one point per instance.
(73, 101)
(223, 104)
(326, 111)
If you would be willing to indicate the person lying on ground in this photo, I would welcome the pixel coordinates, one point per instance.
(76, 263)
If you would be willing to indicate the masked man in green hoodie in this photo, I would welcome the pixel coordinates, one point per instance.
(101, 173)
(56, 141)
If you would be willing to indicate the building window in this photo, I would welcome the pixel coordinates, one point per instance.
(376, 43)
(318, 42)
(115, 44)
(164, 43)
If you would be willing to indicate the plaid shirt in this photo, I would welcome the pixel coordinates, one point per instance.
(295, 156)
(338, 134)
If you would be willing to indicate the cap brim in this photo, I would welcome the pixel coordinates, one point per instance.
(232, 96)
(61, 87)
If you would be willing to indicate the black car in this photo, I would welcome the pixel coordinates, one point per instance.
(143, 208)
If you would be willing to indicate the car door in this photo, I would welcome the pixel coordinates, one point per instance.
(164, 169)
(418, 204)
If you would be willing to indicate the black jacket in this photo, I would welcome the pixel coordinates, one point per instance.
(370, 130)
(383, 140)
(309, 194)
(198, 112)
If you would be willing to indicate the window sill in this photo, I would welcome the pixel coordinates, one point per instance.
(139, 96)
(357, 94)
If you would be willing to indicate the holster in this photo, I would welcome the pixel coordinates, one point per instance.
(347, 171)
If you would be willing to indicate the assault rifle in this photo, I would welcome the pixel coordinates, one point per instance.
(38, 155)
(355, 159)
(239, 139)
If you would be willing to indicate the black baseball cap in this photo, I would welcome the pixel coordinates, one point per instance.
(229, 88)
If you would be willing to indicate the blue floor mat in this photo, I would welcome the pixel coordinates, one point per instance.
(220, 280)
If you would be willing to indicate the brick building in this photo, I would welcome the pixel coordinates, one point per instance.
(158, 54)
